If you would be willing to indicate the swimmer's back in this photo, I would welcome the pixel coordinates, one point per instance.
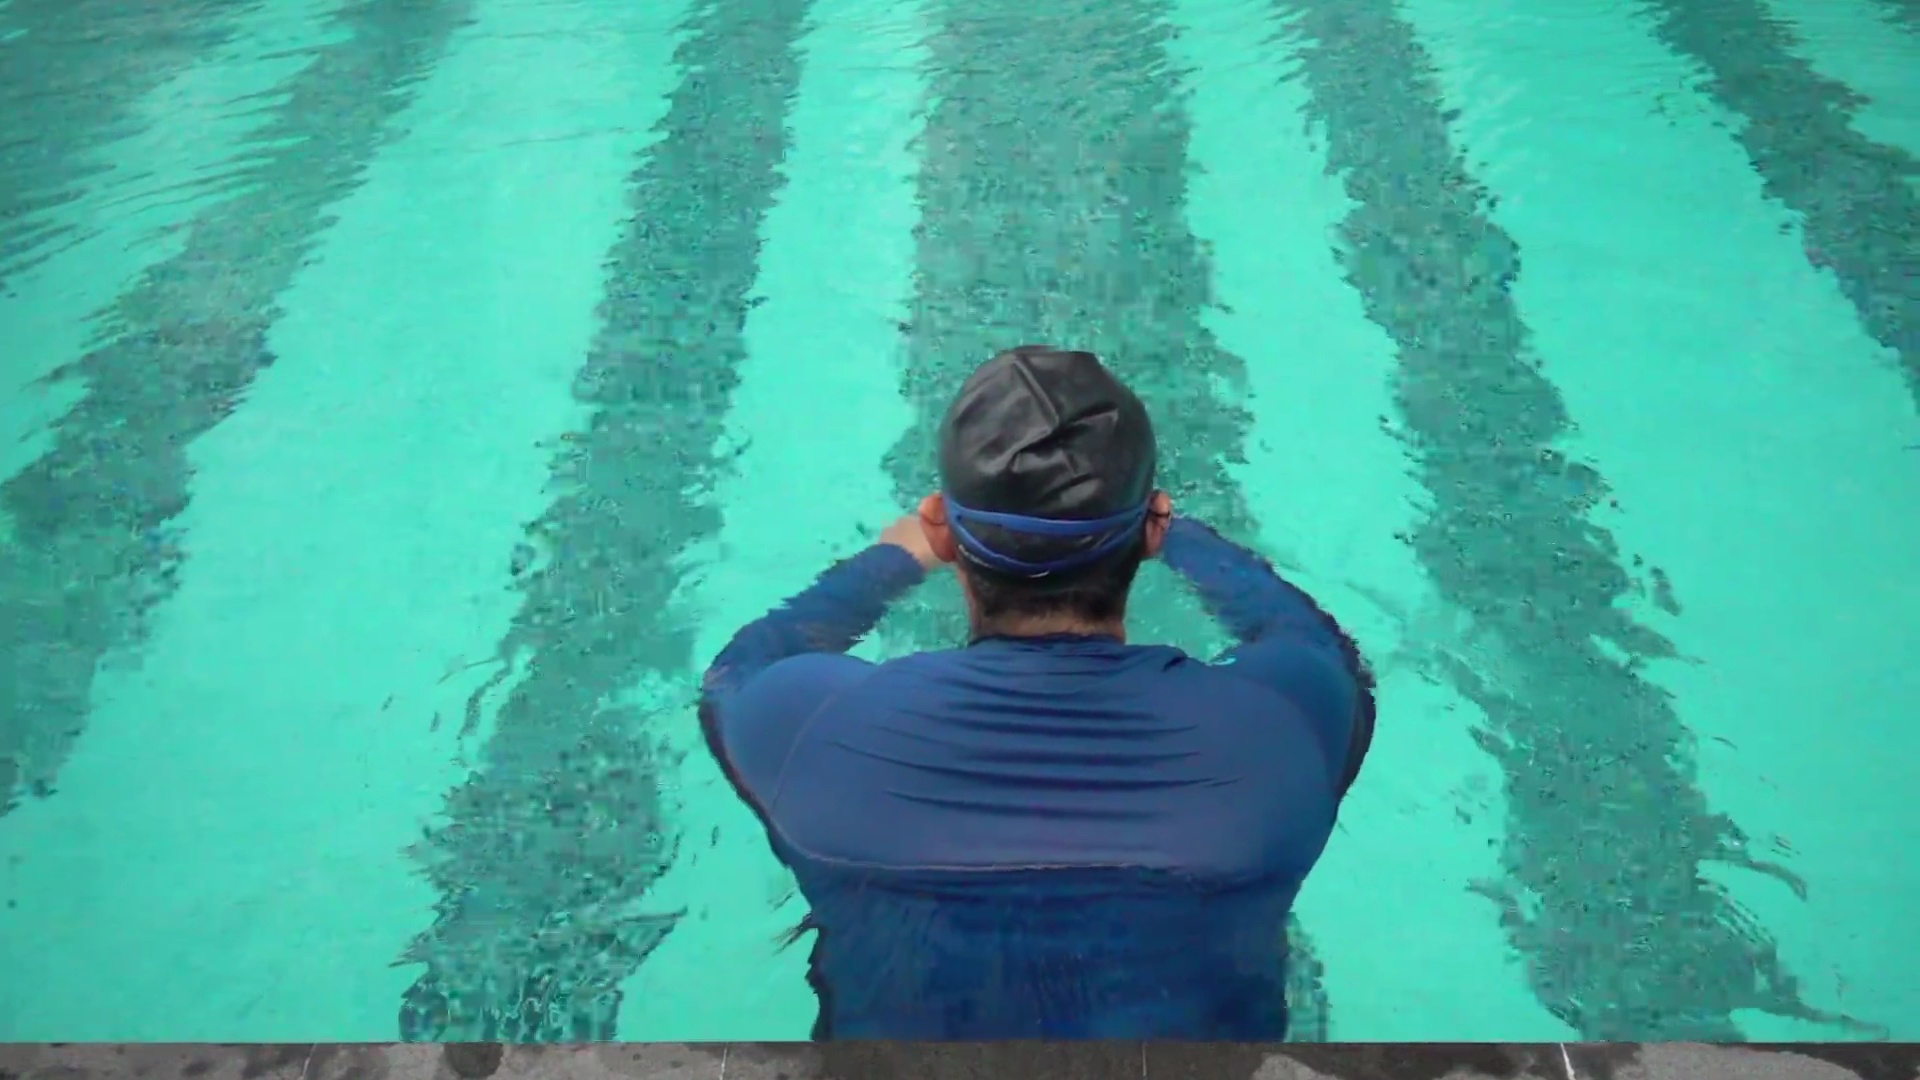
(1061, 837)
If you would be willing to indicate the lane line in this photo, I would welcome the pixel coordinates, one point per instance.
(93, 519)
(72, 76)
(1606, 827)
(1904, 13)
(816, 411)
(548, 848)
(101, 531)
(163, 162)
(355, 519)
(1752, 431)
(1860, 44)
(1857, 200)
(1053, 210)
(1332, 488)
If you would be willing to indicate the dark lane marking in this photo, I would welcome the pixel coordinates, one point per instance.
(1904, 12)
(1608, 833)
(1860, 212)
(93, 545)
(68, 82)
(1053, 209)
(552, 842)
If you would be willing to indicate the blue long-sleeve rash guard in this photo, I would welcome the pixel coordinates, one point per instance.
(1058, 837)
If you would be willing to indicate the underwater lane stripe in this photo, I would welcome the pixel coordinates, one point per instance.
(69, 80)
(1053, 210)
(1904, 12)
(1857, 198)
(94, 547)
(552, 842)
(1622, 935)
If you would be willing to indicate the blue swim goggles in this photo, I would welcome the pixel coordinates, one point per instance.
(1119, 530)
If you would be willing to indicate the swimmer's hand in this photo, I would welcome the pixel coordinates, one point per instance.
(910, 536)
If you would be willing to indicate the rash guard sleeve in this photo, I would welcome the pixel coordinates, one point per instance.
(779, 669)
(1286, 641)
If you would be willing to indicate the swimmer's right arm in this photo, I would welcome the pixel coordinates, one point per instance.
(829, 616)
(1285, 639)
(784, 665)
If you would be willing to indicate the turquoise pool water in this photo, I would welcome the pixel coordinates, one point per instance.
(404, 398)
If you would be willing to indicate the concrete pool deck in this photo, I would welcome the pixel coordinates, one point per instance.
(873, 1061)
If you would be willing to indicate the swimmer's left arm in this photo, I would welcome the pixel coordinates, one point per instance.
(1287, 641)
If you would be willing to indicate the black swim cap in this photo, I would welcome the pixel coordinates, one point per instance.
(1046, 461)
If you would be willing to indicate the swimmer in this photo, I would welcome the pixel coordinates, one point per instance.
(1051, 832)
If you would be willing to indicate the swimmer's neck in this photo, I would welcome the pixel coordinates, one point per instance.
(1050, 626)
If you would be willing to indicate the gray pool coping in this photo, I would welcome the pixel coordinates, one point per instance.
(986, 1061)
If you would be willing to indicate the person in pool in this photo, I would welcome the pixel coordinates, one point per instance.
(1051, 832)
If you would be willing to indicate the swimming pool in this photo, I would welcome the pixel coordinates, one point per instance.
(405, 398)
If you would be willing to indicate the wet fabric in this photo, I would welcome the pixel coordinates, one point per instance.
(1058, 837)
